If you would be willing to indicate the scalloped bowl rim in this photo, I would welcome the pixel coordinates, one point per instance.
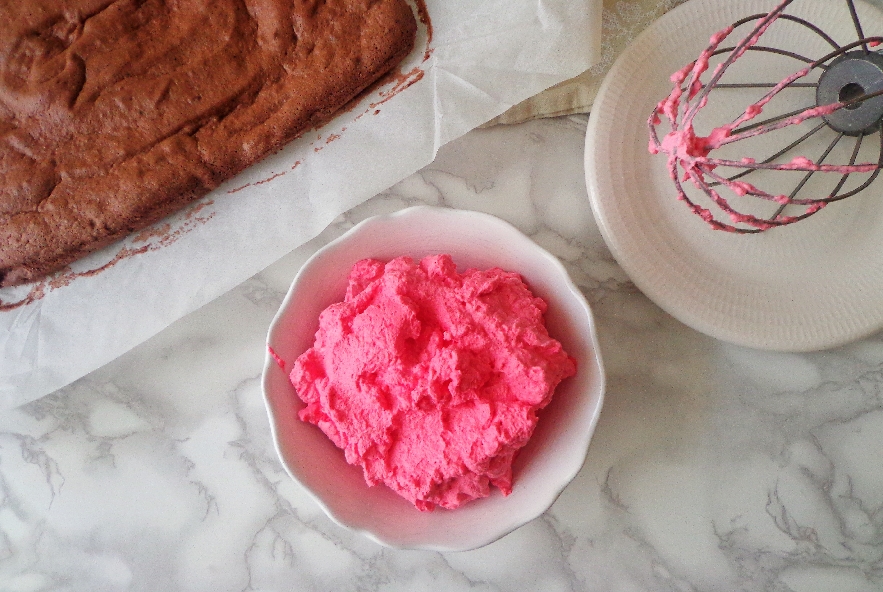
(377, 512)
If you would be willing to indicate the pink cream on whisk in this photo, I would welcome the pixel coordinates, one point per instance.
(690, 152)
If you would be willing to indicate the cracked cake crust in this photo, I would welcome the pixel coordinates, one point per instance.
(115, 114)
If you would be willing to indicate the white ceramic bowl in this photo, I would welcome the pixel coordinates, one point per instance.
(543, 468)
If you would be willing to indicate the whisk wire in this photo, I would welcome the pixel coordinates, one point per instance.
(858, 25)
(849, 79)
(807, 176)
(748, 41)
(779, 153)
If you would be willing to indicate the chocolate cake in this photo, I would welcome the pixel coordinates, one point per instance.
(114, 114)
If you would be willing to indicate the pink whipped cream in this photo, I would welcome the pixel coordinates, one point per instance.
(431, 380)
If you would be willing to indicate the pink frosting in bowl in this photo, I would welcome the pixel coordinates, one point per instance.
(431, 380)
(558, 441)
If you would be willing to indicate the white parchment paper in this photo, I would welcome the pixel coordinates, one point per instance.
(483, 57)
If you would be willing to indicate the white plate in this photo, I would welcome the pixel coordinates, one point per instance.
(808, 286)
(552, 457)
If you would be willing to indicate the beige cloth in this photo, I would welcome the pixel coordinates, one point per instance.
(622, 21)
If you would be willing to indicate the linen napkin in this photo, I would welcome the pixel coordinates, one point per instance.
(621, 21)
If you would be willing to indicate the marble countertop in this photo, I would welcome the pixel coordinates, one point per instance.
(713, 468)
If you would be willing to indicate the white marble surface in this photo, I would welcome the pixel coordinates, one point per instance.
(714, 468)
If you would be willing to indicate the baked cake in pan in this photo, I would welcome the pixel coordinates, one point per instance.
(115, 114)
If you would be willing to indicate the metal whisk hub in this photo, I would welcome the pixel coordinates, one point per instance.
(849, 77)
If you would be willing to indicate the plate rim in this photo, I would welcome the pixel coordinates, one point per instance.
(776, 339)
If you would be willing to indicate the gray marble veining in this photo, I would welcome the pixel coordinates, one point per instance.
(713, 468)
